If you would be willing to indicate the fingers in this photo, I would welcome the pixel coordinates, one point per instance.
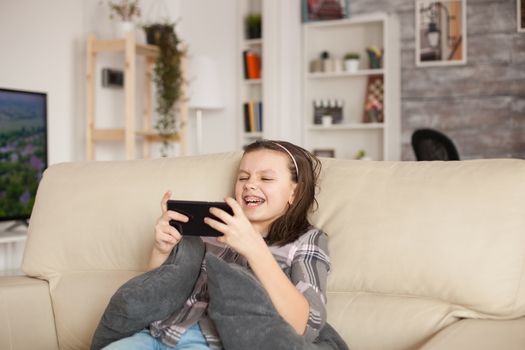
(221, 214)
(167, 233)
(173, 237)
(173, 215)
(163, 225)
(224, 216)
(164, 201)
(237, 210)
(219, 226)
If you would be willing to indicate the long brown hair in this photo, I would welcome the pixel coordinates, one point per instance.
(294, 222)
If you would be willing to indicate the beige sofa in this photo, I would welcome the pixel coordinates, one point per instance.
(427, 255)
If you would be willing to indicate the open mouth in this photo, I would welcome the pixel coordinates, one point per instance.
(253, 201)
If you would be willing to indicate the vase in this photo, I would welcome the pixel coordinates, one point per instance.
(123, 28)
(352, 66)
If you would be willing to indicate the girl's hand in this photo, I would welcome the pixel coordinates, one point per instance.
(237, 229)
(167, 236)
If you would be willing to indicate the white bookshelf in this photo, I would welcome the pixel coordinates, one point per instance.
(380, 141)
(360, 73)
(250, 89)
(346, 126)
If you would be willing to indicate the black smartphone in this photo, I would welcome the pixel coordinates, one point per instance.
(196, 211)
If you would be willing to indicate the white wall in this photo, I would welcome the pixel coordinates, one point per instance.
(39, 43)
(42, 47)
(209, 28)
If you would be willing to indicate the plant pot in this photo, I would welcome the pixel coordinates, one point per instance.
(123, 28)
(253, 32)
(352, 66)
(154, 32)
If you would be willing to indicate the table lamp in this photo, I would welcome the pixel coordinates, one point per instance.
(204, 90)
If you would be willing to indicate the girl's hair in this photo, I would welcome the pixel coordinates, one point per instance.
(294, 222)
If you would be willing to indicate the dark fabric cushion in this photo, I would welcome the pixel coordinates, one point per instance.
(246, 318)
(152, 296)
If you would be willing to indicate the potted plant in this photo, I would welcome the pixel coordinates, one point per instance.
(126, 11)
(167, 78)
(351, 60)
(361, 155)
(253, 26)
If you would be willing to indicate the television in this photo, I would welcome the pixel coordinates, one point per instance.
(23, 151)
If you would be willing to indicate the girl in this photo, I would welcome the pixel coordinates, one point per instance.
(269, 233)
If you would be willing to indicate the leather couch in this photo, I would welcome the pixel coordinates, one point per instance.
(425, 255)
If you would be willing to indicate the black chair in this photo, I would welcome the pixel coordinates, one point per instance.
(430, 144)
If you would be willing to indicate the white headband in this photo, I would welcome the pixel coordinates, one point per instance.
(291, 156)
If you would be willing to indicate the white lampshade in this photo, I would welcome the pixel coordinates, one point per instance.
(204, 89)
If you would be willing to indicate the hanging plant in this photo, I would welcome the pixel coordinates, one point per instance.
(167, 78)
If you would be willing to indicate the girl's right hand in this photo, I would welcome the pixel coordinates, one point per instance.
(167, 236)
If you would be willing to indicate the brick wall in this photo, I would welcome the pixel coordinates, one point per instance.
(480, 105)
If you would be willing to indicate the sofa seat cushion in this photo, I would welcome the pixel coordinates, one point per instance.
(480, 335)
(79, 299)
(405, 322)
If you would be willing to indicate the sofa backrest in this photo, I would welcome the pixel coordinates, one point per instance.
(414, 246)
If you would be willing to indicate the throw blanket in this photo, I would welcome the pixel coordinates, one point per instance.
(239, 306)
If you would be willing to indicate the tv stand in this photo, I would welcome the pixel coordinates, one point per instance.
(16, 224)
(13, 235)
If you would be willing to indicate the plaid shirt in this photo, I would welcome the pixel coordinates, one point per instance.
(305, 262)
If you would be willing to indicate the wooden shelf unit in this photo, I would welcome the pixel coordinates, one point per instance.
(129, 134)
(380, 141)
(250, 90)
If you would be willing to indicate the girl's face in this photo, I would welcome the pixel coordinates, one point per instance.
(264, 187)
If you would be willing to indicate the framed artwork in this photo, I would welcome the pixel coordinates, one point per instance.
(441, 32)
(321, 10)
(324, 153)
(520, 10)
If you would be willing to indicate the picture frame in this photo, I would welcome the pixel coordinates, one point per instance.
(325, 152)
(441, 32)
(322, 10)
(520, 14)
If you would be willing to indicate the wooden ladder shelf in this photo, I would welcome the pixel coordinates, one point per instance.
(129, 134)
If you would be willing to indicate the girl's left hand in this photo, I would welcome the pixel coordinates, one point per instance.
(238, 232)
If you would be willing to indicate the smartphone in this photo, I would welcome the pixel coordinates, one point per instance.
(196, 211)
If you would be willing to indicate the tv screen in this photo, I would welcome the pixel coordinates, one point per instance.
(23, 150)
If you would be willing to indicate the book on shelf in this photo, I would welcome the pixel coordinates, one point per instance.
(253, 118)
(252, 64)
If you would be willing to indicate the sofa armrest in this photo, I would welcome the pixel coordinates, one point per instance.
(26, 314)
(480, 335)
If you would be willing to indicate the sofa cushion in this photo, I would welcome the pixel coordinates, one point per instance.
(151, 296)
(451, 231)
